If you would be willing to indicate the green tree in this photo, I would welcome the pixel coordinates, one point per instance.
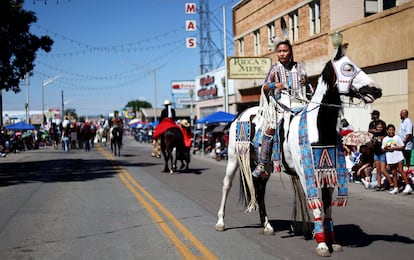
(138, 104)
(71, 113)
(18, 46)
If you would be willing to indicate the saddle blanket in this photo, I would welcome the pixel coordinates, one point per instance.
(164, 126)
(168, 123)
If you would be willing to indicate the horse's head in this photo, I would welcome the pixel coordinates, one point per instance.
(352, 81)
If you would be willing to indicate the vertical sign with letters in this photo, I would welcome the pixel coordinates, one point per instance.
(190, 25)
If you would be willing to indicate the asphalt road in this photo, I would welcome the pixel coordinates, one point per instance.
(92, 205)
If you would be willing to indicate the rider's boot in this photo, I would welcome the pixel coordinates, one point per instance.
(264, 156)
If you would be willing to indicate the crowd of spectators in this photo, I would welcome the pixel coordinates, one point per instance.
(383, 164)
(79, 135)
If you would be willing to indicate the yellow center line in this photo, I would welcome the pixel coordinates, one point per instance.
(181, 247)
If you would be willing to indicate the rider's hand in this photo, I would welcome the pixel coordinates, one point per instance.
(280, 86)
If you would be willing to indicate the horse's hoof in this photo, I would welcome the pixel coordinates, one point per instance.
(337, 247)
(220, 227)
(269, 232)
(323, 252)
(171, 172)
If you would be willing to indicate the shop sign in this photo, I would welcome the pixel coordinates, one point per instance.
(206, 81)
(248, 67)
(182, 86)
(207, 93)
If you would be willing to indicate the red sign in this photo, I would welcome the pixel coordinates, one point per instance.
(206, 81)
(190, 8)
(206, 93)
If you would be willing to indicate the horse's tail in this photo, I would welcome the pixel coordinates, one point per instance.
(300, 210)
(247, 189)
(244, 192)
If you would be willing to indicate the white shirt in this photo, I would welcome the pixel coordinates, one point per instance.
(395, 156)
(406, 128)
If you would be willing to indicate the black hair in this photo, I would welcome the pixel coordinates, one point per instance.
(287, 42)
(390, 125)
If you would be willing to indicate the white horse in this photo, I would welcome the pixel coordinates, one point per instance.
(102, 133)
(321, 118)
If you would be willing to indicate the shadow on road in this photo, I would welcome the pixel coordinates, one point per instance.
(353, 236)
(347, 235)
(64, 170)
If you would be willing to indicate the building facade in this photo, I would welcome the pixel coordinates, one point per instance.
(379, 36)
(210, 91)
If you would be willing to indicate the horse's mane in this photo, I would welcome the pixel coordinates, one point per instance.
(329, 109)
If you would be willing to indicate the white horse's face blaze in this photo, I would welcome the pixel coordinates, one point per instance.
(354, 82)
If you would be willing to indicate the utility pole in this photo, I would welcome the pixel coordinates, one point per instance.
(63, 108)
(44, 83)
(26, 105)
(153, 71)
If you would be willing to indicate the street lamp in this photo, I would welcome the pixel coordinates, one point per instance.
(26, 104)
(153, 71)
(336, 39)
(44, 83)
(224, 79)
(191, 93)
(225, 94)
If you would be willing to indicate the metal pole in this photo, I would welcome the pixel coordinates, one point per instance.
(27, 98)
(43, 103)
(154, 74)
(63, 109)
(191, 92)
(44, 83)
(226, 94)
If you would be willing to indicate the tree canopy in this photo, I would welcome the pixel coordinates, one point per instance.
(138, 104)
(18, 46)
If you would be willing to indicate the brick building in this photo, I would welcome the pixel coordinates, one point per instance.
(379, 34)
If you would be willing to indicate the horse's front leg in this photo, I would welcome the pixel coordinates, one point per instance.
(260, 186)
(231, 169)
(327, 195)
(323, 225)
(319, 234)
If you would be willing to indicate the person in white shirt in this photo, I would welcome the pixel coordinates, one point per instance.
(393, 147)
(406, 133)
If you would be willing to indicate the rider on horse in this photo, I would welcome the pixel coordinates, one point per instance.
(283, 91)
(167, 113)
(116, 122)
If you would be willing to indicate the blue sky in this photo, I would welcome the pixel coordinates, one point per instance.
(98, 41)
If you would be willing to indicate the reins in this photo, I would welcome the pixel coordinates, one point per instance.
(306, 102)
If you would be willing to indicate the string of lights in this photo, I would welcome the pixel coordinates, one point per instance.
(131, 46)
(73, 76)
(69, 78)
